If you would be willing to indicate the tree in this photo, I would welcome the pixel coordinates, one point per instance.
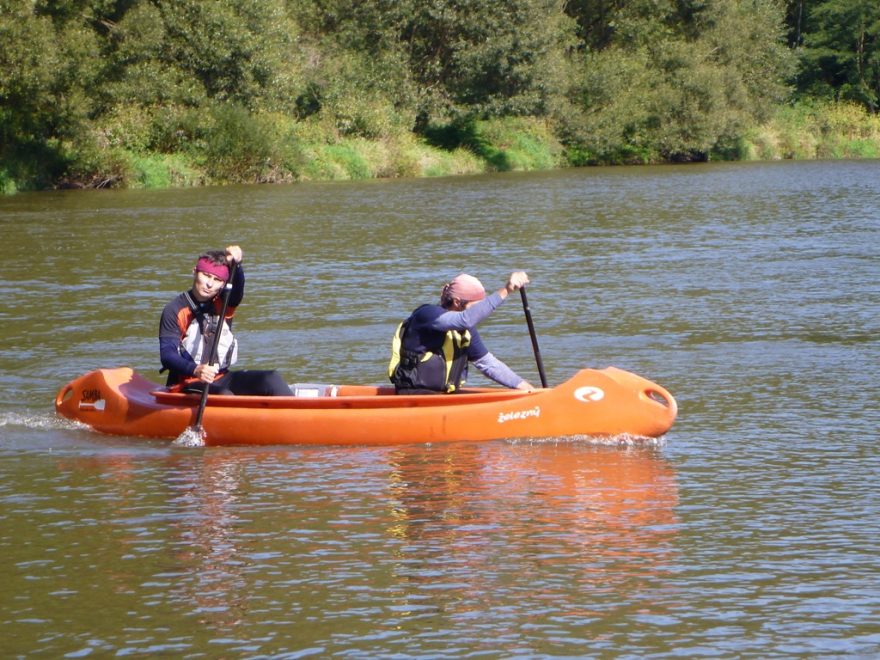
(437, 60)
(186, 51)
(48, 65)
(676, 80)
(840, 56)
(486, 58)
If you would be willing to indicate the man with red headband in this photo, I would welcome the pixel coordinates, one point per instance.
(189, 323)
(431, 349)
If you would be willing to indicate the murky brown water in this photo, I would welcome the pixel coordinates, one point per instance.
(750, 291)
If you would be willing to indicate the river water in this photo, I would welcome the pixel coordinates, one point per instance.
(750, 291)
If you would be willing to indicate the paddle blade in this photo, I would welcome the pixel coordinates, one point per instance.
(191, 437)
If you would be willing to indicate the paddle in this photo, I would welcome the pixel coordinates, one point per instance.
(525, 302)
(195, 434)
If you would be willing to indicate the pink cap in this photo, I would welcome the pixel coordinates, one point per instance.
(220, 271)
(464, 287)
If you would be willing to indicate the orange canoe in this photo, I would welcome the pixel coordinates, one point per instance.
(605, 402)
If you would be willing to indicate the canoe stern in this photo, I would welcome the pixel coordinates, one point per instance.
(118, 401)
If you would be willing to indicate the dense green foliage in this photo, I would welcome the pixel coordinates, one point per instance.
(182, 92)
(839, 44)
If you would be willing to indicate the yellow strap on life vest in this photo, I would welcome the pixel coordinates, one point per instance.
(395, 349)
(448, 354)
(452, 340)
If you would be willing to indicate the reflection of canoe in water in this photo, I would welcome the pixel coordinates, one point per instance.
(617, 504)
(604, 402)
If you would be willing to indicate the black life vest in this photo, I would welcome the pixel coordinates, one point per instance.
(437, 372)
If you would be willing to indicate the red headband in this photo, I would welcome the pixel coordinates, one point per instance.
(220, 271)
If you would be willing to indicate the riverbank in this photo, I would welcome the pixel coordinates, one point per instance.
(243, 148)
(819, 131)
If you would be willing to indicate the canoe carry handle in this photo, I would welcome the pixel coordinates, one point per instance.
(63, 395)
(661, 397)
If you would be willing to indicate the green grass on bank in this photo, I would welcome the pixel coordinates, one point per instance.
(236, 147)
(808, 131)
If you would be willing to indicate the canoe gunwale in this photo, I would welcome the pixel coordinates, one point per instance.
(353, 401)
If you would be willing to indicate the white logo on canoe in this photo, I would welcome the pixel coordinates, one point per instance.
(589, 393)
(519, 414)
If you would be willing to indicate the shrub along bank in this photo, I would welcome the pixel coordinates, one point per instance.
(242, 148)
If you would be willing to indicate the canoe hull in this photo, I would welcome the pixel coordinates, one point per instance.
(606, 402)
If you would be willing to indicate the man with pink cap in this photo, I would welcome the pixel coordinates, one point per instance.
(189, 323)
(432, 348)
